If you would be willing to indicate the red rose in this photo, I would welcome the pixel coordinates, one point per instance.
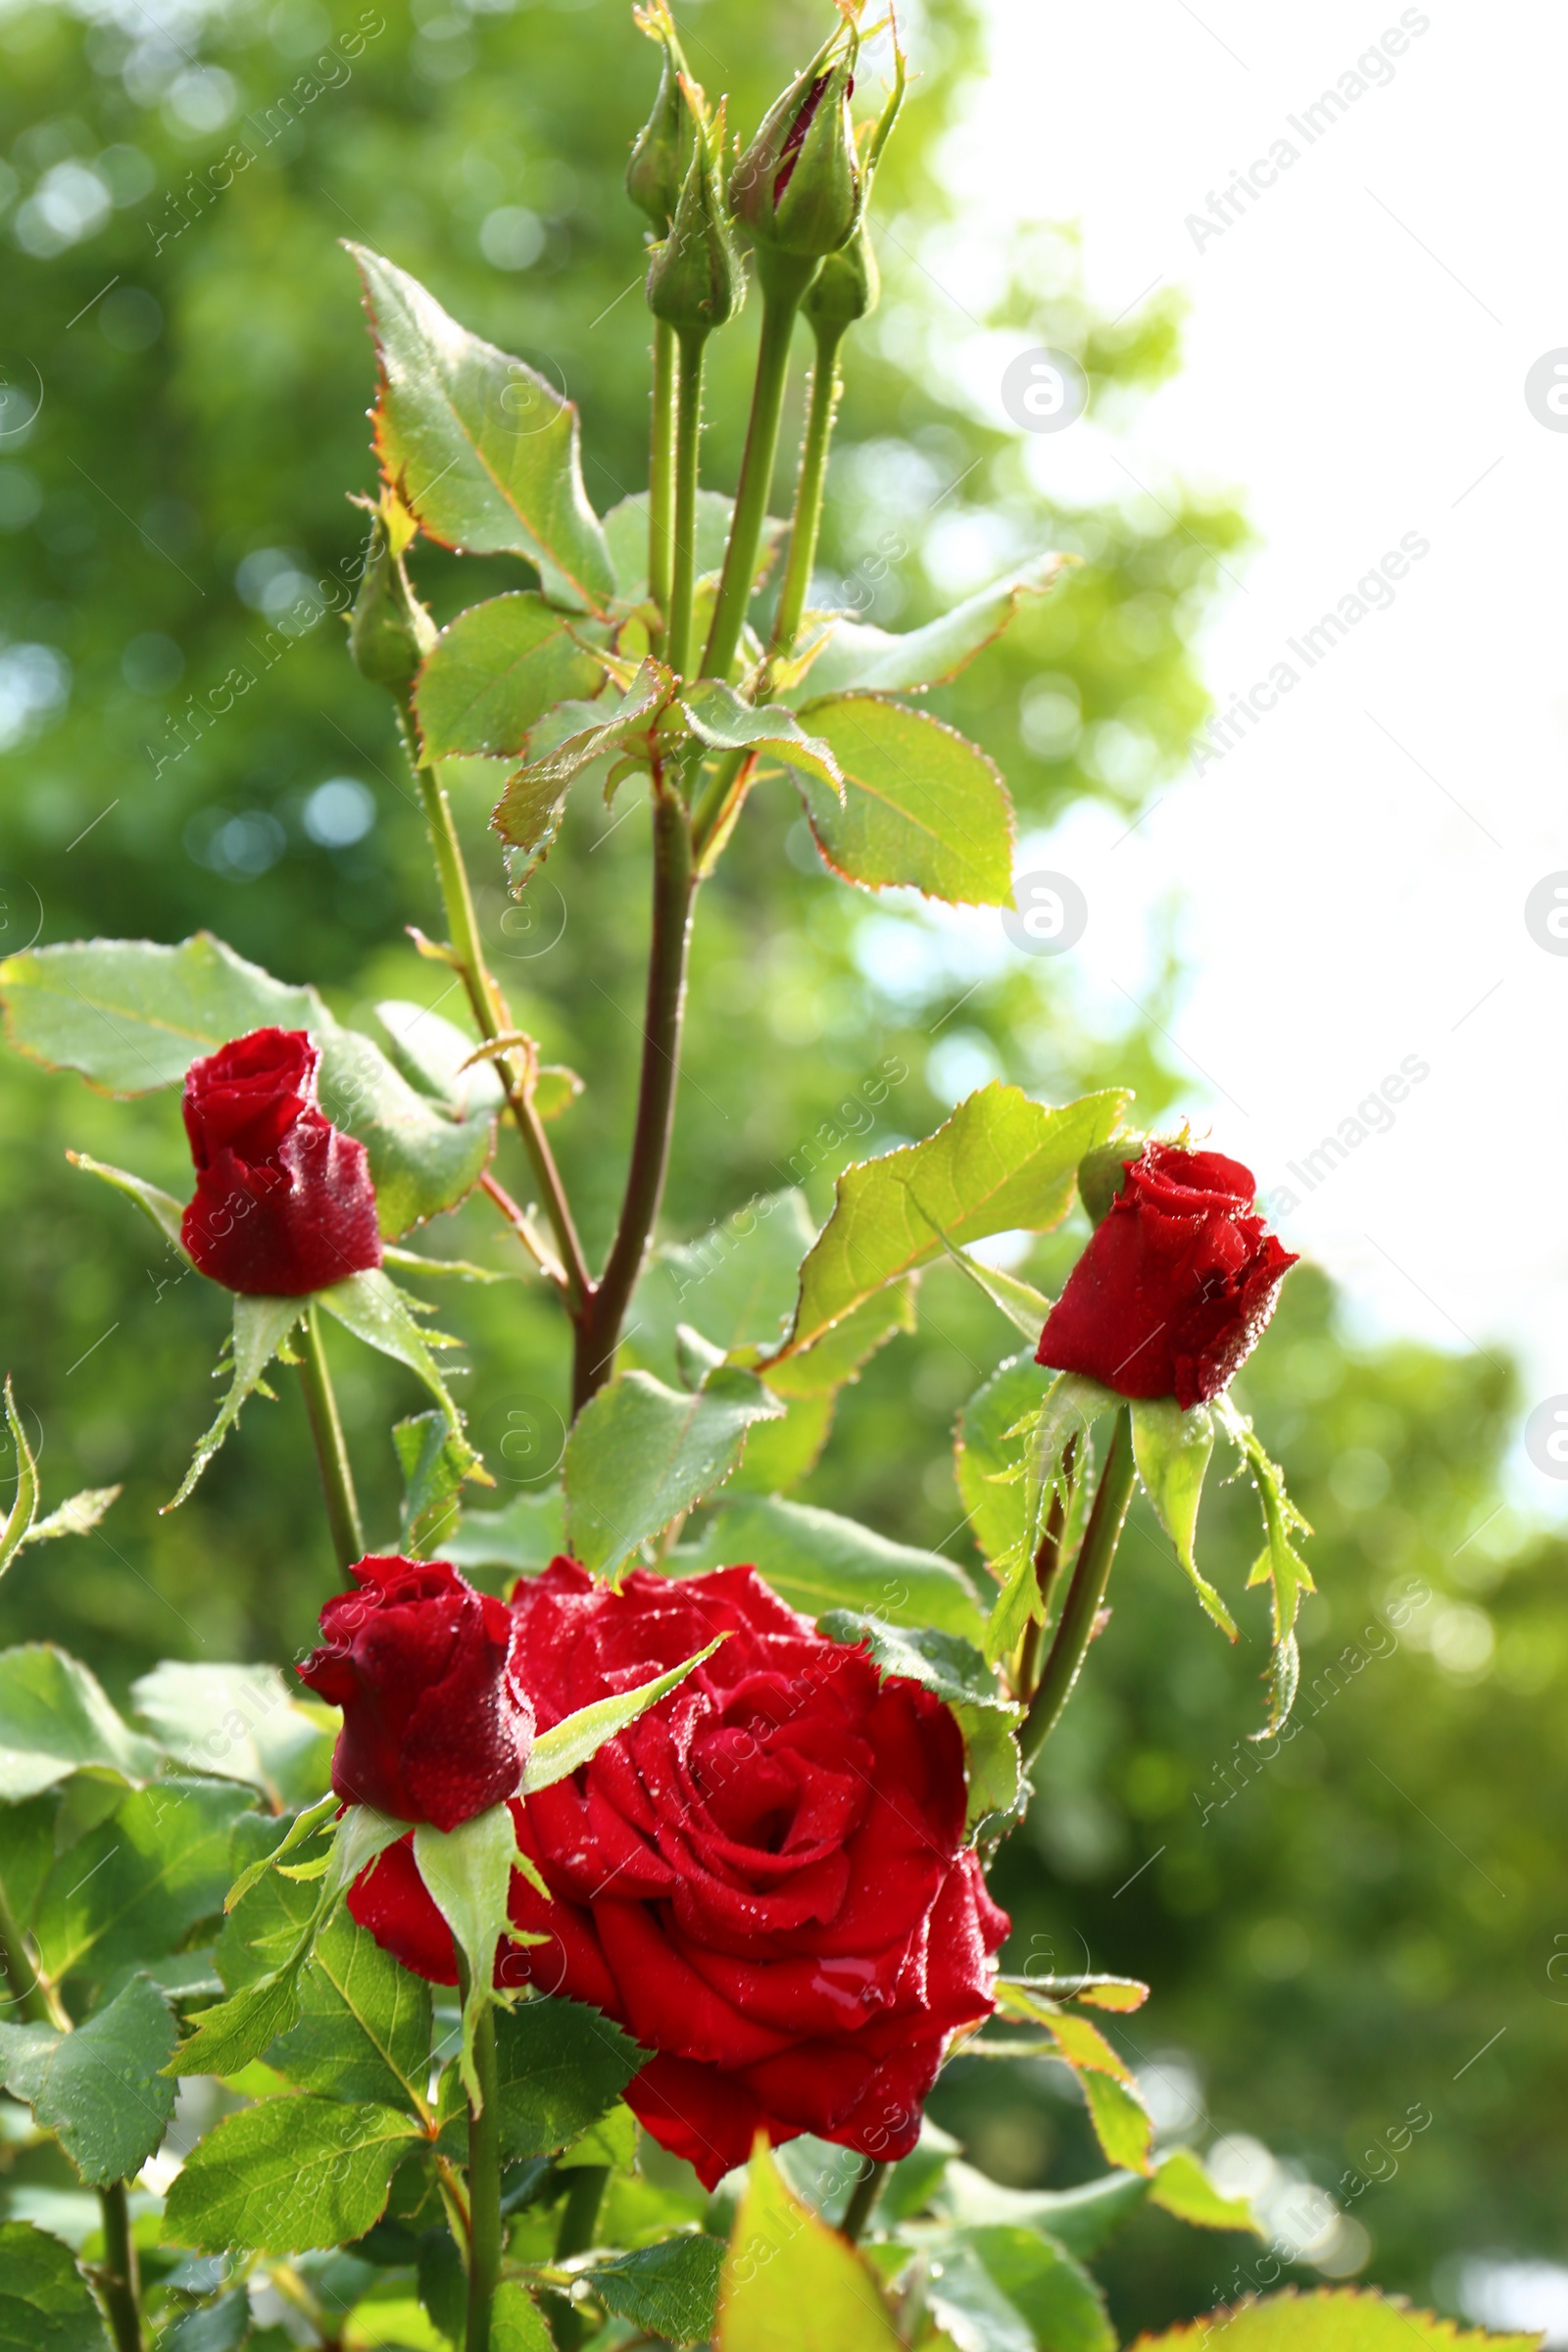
(764, 1878)
(285, 1204)
(1176, 1285)
(436, 1725)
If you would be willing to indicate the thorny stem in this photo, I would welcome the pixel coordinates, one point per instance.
(807, 522)
(331, 1453)
(862, 2201)
(522, 1226)
(784, 280)
(688, 432)
(469, 956)
(1085, 1593)
(674, 889)
(661, 472)
(37, 2004)
(1047, 1573)
(484, 2179)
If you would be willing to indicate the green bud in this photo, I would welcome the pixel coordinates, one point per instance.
(695, 279)
(798, 185)
(847, 288)
(653, 172)
(390, 632)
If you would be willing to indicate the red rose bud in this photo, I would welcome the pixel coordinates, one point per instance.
(436, 1725)
(798, 185)
(1176, 1285)
(285, 1204)
(765, 1878)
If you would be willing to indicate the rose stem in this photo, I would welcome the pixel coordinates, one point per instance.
(331, 1455)
(674, 889)
(484, 2176)
(714, 805)
(1048, 1572)
(807, 522)
(688, 432)
(1085, 1593)
(38, 2004)
(579, 2216)
(463, 930)
(784, 279)
(661, 472)
(862, 2201)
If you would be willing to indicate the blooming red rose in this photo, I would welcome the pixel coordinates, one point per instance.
(436, 1725)
(764, 1878)
(1177, 1284)
(285, 1204)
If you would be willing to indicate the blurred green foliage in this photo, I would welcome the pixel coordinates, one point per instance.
(182, 386)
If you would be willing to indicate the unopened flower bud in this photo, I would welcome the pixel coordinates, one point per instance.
(390, 632)
(798, 185)
(695, 279)
(847, 288)
(653, 172)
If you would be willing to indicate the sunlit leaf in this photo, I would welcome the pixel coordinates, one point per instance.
(922, 806)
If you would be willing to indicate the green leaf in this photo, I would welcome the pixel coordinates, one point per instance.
(480, 448)
(1025, 1308)
(639, 1455)
(999, 1161)
(467, 1874)
(161, 1209)
(613, 2140)
(24, 1503)
(376, 1311)
(818, 1562)
(1172, 1451)
(988, 1456)
(570, 1743)
(100, 2088)
(859, 659)
(219, 2326)
(233, 2032)
(780, 1453)
(1082, 2219)
(736, 1283)
(838, 1358)
(559, 2068)
(140, 1881)
(305, 1826)
(240, 1723)
(46, 2303)
(55, 1720)
(493, 673)
(669, 2290)
(720, 719)
(968, 2306)
(364, 2028)
(923, 807)
(1183, 2188)
(526, 1534)
(1121, 2123)
(287, 2174)
(791, 2284)
(435, 1464)
(1060, 2306)
(1333, 2319)
(130, 1016)
(422, 1160)
(431, 1052)
(955, 1670)
(1070, 1407)
(261, 1327)
(1279, 1565)
(30, 1844)
(515, 2322)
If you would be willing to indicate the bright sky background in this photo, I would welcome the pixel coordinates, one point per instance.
(1353, 875)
